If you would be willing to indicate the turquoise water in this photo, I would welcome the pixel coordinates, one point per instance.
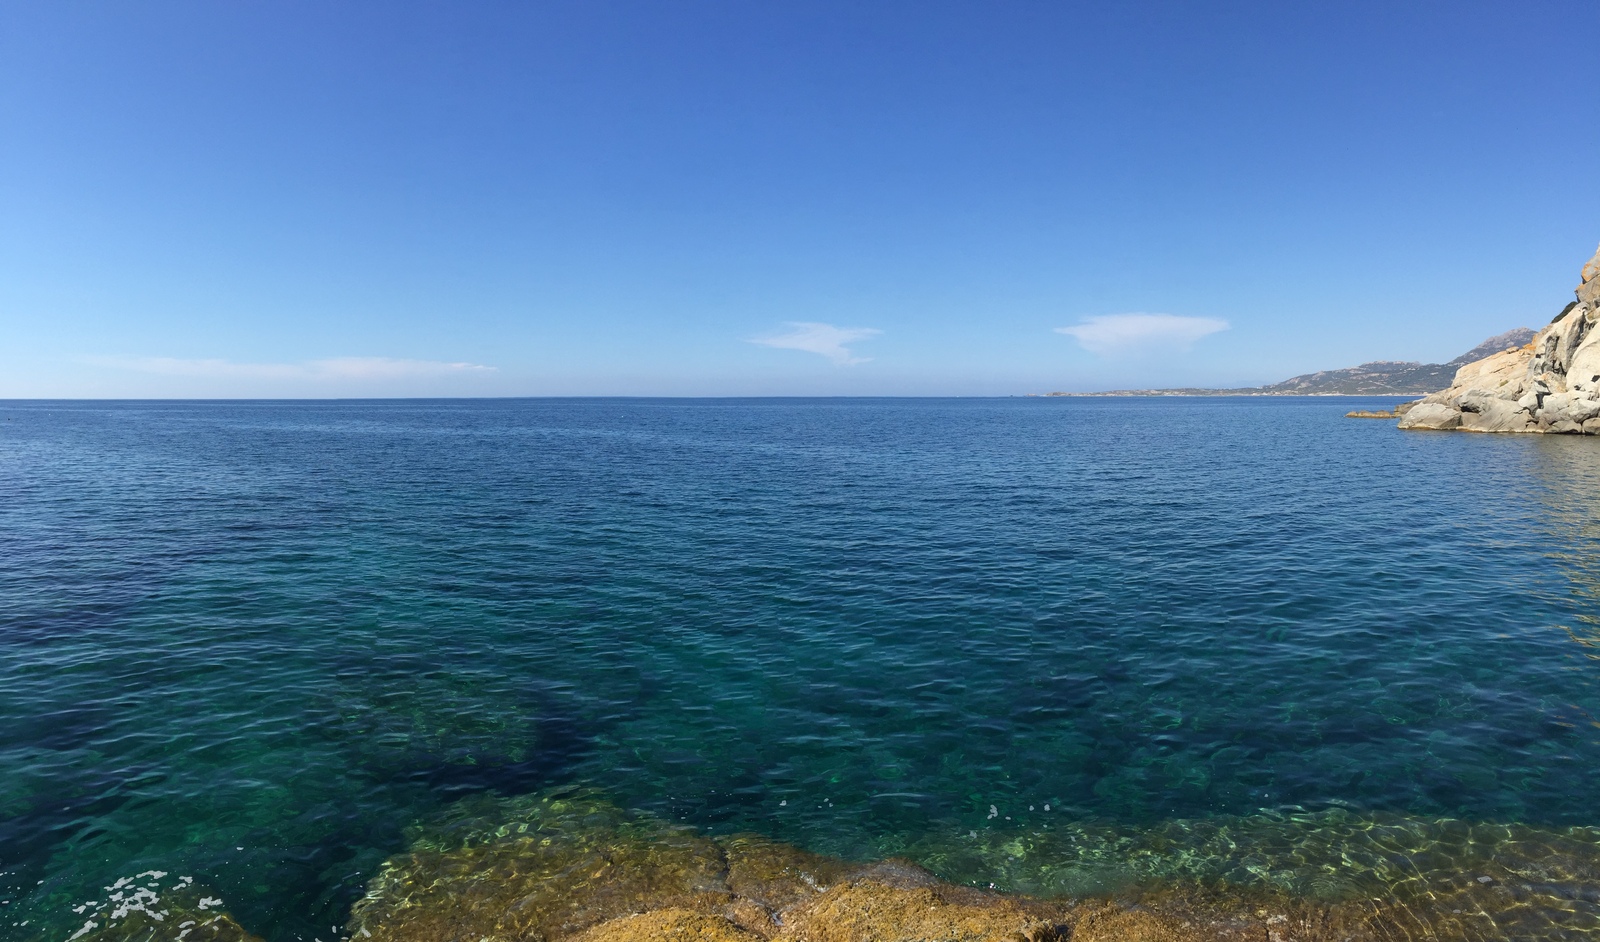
(254, 642)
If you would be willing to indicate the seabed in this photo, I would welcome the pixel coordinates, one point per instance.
(570, 865)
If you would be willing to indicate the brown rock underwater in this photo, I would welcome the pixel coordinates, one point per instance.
(571, 866)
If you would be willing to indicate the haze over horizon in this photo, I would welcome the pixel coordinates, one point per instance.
(307, 200)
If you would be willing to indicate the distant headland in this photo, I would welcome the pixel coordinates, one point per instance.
(1378, 378)
(1551, 384)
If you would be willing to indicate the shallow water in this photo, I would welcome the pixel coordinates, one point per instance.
(253, 643)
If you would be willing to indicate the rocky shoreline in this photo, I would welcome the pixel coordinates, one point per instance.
(573, 866)
(1551, 384)
(569, 865)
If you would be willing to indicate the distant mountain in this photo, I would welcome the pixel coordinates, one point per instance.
(1499, 343)
(1395, 377)
(1378, 378)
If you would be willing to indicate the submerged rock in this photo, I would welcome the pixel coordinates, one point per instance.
(867, 909)
(141, 909)
(668, 925)
(1550, 384)
(571, 866)
(550, 868)
(179, 926)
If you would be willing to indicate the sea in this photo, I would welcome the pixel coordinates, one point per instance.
(1058, 646)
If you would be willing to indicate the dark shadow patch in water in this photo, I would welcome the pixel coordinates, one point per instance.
(401, 717)
(63, 729)
(298, 882)
(57, 819)
(80, 620)
(562, 743)
(315, 884)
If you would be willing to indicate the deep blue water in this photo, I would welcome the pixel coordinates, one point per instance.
(253, 642)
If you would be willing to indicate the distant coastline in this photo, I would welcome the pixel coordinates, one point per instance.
(1377, 378)
(1200, 393)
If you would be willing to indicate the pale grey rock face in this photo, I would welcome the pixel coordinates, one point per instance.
(1555, 406)
(1573, 406)
(1591, 271)
(1583, 372)
(1490, 414)
(1431, 415)
(1550, 385)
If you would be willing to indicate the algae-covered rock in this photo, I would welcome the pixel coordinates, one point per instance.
(538, 869)
(668, 925)
(152, 907)
(778, 876)
(869, 911)
(572, 866)
(178, 925)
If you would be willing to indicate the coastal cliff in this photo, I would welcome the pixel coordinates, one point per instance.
(1551, 384)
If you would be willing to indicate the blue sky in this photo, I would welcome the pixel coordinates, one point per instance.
(701, 198)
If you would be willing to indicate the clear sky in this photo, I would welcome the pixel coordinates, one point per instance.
(707, 198)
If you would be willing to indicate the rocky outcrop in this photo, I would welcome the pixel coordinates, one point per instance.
(575, 867)
(570, 866)
(153, 906)
(1550, 384)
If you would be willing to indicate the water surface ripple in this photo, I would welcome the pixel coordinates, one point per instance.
(254, 642)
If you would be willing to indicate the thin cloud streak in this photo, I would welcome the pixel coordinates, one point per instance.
(824, 340)
(337, 369)
(1123, 333)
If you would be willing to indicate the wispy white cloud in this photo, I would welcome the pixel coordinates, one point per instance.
(1121, 333)
(822, 339)
(338, 369)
